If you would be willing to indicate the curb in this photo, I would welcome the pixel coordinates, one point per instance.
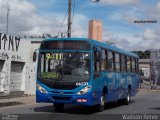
(12, 103)
(147, 90)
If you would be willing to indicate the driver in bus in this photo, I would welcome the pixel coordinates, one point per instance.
(81, 69)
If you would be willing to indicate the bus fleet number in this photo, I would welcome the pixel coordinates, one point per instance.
(81, 83)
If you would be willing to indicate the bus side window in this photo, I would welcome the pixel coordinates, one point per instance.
(128, 64)
(104, 60)
(117, 62)
(111, 64)
(137, 66)
(133, 65)
(96, 64)
(123, 63)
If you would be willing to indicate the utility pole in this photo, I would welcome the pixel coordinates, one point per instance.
(151, 79)
(8, 10)
(69, 17)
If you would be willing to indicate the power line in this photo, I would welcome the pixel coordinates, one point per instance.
(74, 4)
(62, 22)
(79, 9)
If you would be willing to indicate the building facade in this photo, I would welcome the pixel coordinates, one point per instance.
(17, 69)
(144, 67)
(155, 59)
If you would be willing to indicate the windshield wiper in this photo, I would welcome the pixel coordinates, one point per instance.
(75, 54)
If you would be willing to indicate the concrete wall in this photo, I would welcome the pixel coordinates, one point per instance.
(17, 50)
(144, 65)
(13, 49)
(31, 82)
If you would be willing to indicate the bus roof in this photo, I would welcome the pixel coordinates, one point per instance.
(97, 43)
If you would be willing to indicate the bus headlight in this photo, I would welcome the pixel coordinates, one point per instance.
(41, 89)
(84, 90)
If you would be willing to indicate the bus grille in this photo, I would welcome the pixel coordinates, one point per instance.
(58, 92)
(62, 87)
(59, 85)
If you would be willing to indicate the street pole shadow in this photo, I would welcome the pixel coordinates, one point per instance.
(156, 108)
(80, 110)
(116, 104)
(46, 109)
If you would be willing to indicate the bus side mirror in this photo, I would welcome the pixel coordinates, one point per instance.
(34, 56)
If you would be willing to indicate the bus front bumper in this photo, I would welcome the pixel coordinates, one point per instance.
(86, 99)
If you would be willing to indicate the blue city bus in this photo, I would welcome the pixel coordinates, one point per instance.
(86, 72)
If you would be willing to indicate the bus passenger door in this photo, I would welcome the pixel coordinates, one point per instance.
(97, 80)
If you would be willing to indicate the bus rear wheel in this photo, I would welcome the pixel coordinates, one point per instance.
(58, 106)
(101, 105)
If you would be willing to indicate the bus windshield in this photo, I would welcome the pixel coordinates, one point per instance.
(64, 66)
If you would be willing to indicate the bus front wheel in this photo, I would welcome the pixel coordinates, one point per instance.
(127, 99)
(58, 106)
(101, 105)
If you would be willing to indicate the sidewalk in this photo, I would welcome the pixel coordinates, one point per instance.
(146, 87)
(10, 100)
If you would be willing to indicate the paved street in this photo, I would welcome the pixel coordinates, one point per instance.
(144, 102)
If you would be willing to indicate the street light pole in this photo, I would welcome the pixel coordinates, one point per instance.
(8, 10)
(69, 17)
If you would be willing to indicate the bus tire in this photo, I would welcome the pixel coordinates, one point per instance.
(127, 100)
(58, 106)
(101, 105)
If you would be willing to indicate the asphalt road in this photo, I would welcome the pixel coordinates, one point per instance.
(144, 102)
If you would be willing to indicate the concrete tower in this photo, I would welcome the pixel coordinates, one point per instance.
(95, 30)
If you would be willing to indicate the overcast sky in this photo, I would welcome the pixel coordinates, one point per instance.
(37, 17)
